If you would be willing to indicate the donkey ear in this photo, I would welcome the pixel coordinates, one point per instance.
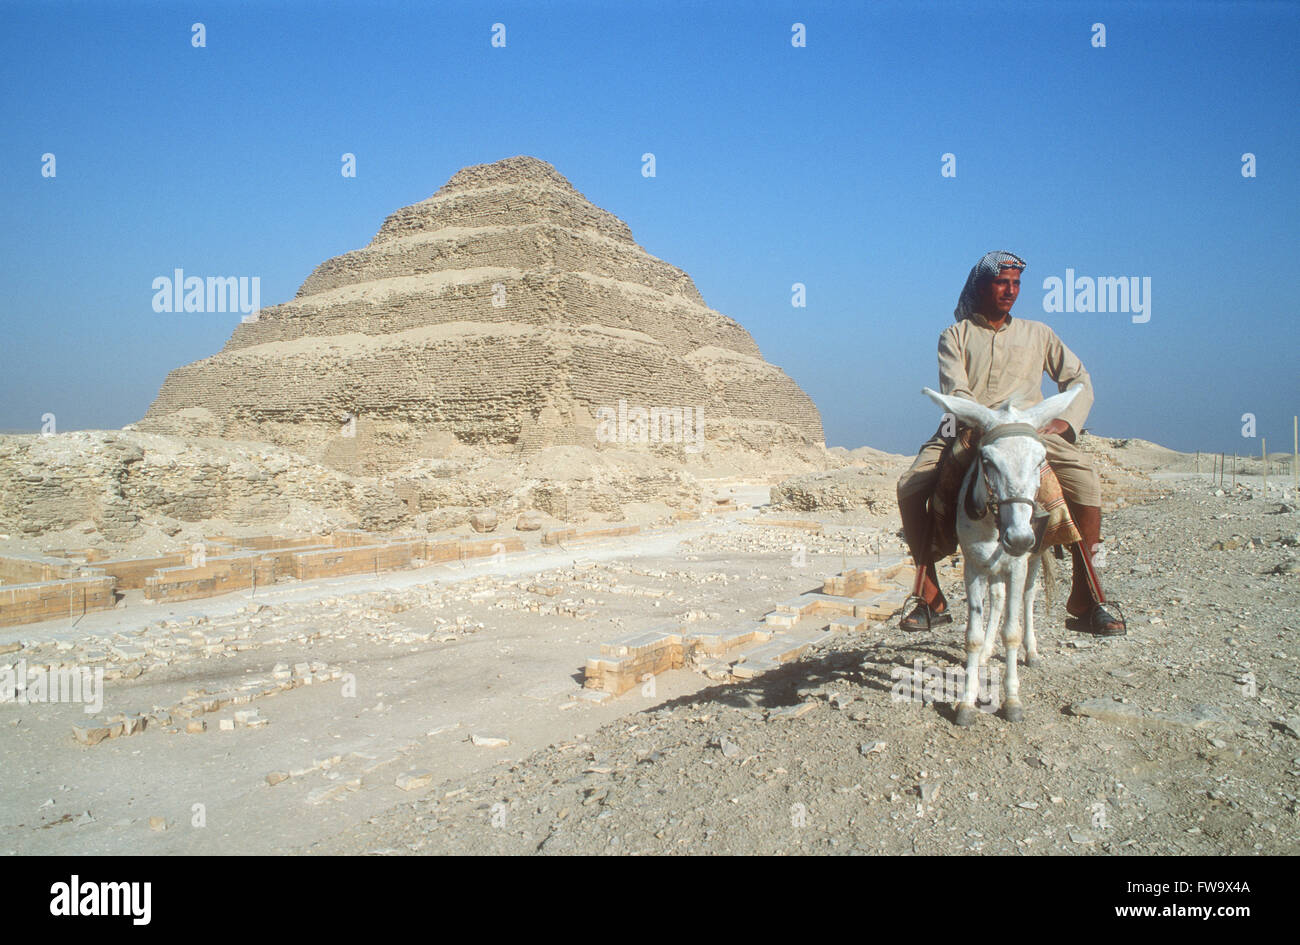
(1040, 413)
(967, 411)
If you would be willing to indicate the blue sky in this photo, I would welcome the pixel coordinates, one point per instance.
(775, 165)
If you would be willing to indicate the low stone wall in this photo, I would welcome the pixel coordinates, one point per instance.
(437, 552)
(852, 583)
(39, 594)
(631, 659)
(360, 559)
(489, 547)
(214, 576)
(270, 542)
(133, 572)
(18, 569)
(570, 535)
(284, 560)
(89, 554)
(750, 649)
(351, 539)
(53, 600)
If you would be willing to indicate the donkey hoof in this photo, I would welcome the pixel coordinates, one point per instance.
(1033, 660)
(1013, 712)
(966, 714)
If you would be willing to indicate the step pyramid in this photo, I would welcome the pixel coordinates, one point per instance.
(505, 313)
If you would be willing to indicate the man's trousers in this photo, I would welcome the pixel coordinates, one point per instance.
(1078, 478)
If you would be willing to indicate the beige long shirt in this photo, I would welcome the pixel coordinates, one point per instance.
(991, 367)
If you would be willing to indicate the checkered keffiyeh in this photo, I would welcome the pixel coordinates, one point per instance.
(986, 268)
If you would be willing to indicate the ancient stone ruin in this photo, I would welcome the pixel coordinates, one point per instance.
(502, 355)
(505, 313)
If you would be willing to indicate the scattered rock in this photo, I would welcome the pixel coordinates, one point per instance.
(329, 792)
(414, 780)
(91, 734)
(728, 747)
(484, 521)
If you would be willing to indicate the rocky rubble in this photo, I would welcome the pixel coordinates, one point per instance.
(1179, 738)
(143, 492)
(872, 490)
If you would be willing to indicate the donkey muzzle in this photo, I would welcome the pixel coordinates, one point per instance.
(1015, 537)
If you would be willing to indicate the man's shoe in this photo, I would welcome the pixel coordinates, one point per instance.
(1100, 621)
(922, 617)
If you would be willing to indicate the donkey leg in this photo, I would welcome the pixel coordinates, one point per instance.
(997, 609)
(1011, 636)
(976, 585)
(1031, 594)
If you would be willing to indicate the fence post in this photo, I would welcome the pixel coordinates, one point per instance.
(1263, 453)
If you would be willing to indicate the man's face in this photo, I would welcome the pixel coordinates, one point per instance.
(1000, 294)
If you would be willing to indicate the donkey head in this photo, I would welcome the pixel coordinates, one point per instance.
(1006, 475)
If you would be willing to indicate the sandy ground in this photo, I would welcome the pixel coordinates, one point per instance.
(823, 755)
(438, 655)
(1199, 753)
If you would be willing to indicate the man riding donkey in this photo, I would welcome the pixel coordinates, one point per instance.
(991, 358)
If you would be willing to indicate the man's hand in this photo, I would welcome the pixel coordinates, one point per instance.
(1059, 427)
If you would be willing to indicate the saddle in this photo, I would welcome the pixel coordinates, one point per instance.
(1052, 521)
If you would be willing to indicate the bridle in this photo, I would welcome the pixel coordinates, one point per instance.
(992, 501)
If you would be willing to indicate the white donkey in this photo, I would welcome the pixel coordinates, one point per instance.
(996, 549)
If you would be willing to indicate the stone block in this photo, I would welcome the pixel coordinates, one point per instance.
(91, 734)
(414, 780)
